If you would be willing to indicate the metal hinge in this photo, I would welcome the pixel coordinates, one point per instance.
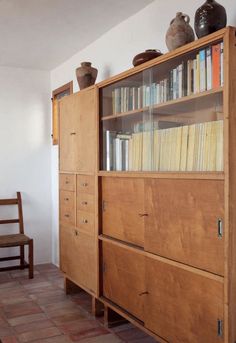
(220, 227)
(220, 328)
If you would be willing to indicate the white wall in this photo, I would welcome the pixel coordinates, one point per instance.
(113, 53)
(25, 151)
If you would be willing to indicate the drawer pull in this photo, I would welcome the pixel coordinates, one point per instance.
(84, 203)
(143, 214)
(73, 133)
(220, 227)
(84, 221)
(143, 293)
(67, 215)
(84, 184)
(66, 199)
(67, 182)
(76, 232)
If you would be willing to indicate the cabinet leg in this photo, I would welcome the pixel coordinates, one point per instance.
(70, 287)
(111, 318)
(97, 307)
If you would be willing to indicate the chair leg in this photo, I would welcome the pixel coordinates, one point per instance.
(22, 256)
(31, 259)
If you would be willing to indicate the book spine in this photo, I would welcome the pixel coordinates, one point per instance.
(174, 83)
(216, 65)
(209, 68)
(222, 64)
(180, 83)
(202, 57)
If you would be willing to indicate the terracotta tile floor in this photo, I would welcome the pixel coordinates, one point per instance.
(39, 311)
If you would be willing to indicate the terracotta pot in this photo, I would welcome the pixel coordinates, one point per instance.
(145, 56)
(86, 75)
(179, 32)
(210, 17)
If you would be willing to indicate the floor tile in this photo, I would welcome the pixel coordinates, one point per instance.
(38, 334)
(78, 326)
(27, 319)
(22, 309)
(39, 324)
(110, 338)
(89, 333)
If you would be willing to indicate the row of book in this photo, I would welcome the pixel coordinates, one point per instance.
(197, 147)
(198, 74)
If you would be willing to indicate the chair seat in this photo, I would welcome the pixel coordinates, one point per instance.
(13, 240)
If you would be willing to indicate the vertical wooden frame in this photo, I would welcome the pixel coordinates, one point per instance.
(68, 87)
(230, 183)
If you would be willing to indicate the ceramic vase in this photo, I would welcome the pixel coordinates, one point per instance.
(179, 32)
(145, 56)
(209, 18)
(86, 75)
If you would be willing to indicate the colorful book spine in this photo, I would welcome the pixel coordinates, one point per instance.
(216, 66)
(209, 68)
(202, 57)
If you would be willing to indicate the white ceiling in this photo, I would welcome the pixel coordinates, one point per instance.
(42, 34)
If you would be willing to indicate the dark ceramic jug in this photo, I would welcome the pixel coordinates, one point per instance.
(210, 17)
(86, 75)
(145, 56)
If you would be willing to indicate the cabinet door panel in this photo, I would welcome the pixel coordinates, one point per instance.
(78, 132)
(86, 222)
(85, 184)
(123, 278)
(78, 257)
(67, 182)
(123, 209)
(181, 306)
(182, 222)
(85, 202)
(69, 131)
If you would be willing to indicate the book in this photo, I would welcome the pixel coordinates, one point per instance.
(209, 68)
(216, 65)
(202, 58)
(222, 64)
(109, 138)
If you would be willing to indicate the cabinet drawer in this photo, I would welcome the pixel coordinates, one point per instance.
(85, 221)
(78, 256)
(85, 184)
(182, 306)
(123, 209)
(67, 199)
(183, 222)
(67, 214)
(123, 278)
(67, 182)
(85, 202)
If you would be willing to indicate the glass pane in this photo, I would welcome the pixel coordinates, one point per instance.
(166, 118)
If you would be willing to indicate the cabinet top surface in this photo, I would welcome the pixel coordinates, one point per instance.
(167, 56)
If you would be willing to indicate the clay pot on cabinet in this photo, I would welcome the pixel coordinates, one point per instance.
(210, 17)
(145, 56)
(179, 32)
(86, 75)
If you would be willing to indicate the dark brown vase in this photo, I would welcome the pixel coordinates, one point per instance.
(145, 56)
(86, 75)
(210, 17)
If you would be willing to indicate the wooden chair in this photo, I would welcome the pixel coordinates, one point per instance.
(15, 240)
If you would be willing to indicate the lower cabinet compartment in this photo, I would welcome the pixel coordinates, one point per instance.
(182, 306)
(78, 256)
(123, 278)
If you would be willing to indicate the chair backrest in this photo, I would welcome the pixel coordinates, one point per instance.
(16, 201)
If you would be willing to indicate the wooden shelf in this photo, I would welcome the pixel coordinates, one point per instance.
(165, 175)
(167, 105)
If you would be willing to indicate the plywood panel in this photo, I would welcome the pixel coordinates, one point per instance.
(123, 209)
(67, 182)
(85, 184)
(123, 278)
(181, 306)
(78, 258)
(86, 222)
(85, 202)
(182, 221)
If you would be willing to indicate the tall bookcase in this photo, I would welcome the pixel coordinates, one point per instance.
(161, 156)
(167, 192)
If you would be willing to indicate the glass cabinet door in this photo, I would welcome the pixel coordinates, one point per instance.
(166, 118)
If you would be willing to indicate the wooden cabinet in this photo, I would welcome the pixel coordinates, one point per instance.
(77, 153)
(154, 229)
(167, 165)
(78, 132)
